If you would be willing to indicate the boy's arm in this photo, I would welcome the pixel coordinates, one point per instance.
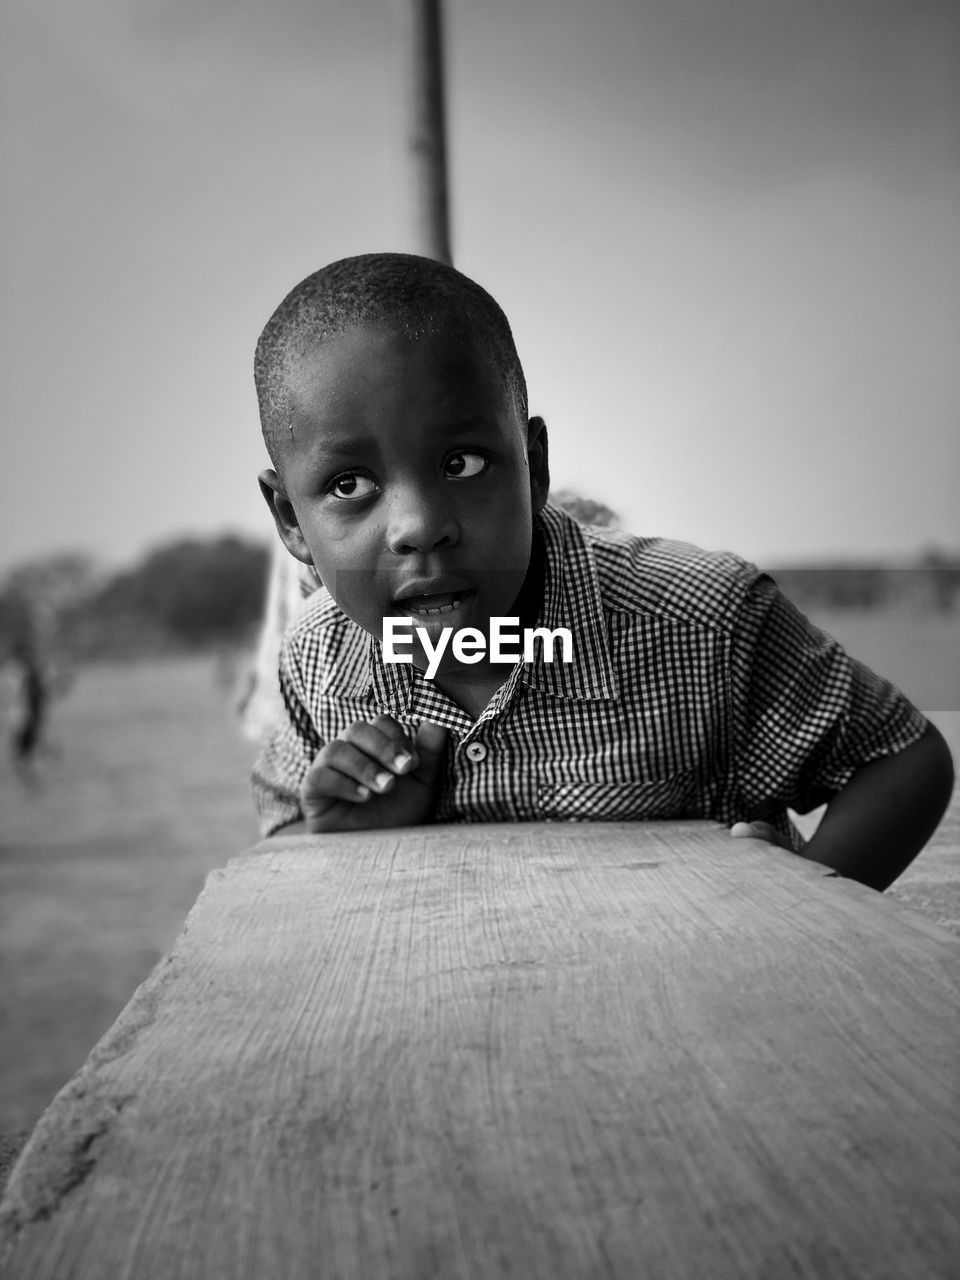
(815, 727)
(874, 828)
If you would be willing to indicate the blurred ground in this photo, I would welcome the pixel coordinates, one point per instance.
(100, 862)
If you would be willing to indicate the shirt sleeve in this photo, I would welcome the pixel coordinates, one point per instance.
(806, 716)
(285, 759)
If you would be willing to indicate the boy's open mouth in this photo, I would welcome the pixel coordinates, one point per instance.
(433, 605)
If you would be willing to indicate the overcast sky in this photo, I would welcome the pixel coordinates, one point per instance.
(726, 232)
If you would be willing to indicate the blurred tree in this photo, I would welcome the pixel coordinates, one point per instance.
(587, 510)
(187, 594)
(193, 592)
(51, 588)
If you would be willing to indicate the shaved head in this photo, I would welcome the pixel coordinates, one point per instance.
(397, 291)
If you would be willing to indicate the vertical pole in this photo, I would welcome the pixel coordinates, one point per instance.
(427, 136)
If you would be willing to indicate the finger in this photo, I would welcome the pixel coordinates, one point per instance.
(384, 741)
(325, 786)
(393, 730)
(332, 811)
(765, 831)
(344, 758)
(757, 831)
(742, 829)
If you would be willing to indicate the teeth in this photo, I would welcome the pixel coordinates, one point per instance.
(424, 610)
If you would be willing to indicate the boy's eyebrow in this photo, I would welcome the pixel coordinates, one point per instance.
(352, 444)
(465, 424)
(347, 446)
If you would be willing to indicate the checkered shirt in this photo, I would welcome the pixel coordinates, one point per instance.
(696, 690)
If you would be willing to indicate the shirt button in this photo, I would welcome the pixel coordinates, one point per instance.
(476, 751)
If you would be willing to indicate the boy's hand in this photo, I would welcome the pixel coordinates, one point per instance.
(376, 775)
(761, 831)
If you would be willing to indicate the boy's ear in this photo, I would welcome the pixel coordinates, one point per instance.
(284, 516)
(539, 462)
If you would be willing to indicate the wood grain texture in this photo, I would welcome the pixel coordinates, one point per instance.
(558, 1051)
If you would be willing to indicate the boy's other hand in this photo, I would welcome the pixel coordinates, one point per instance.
(761, 831)
(376, 775)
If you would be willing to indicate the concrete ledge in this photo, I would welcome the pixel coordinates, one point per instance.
(555, 1050)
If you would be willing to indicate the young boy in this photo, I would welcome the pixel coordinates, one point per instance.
(408, 473)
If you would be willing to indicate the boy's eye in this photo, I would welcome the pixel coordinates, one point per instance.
(465, 465)
(352, 485)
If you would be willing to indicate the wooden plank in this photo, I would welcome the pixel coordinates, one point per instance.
(535, 1051)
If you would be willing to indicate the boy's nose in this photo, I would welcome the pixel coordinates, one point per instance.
(419, 522)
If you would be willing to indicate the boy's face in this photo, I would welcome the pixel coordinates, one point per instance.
(407, 482)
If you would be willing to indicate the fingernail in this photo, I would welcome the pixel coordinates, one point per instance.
(402, 759)
(382, 780)
(363, 793)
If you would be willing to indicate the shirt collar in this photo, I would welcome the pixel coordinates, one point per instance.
(392, 685)
(571, 599)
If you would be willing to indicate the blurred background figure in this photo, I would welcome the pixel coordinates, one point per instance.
(259, 701)
(34, 660)
(27, 685)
